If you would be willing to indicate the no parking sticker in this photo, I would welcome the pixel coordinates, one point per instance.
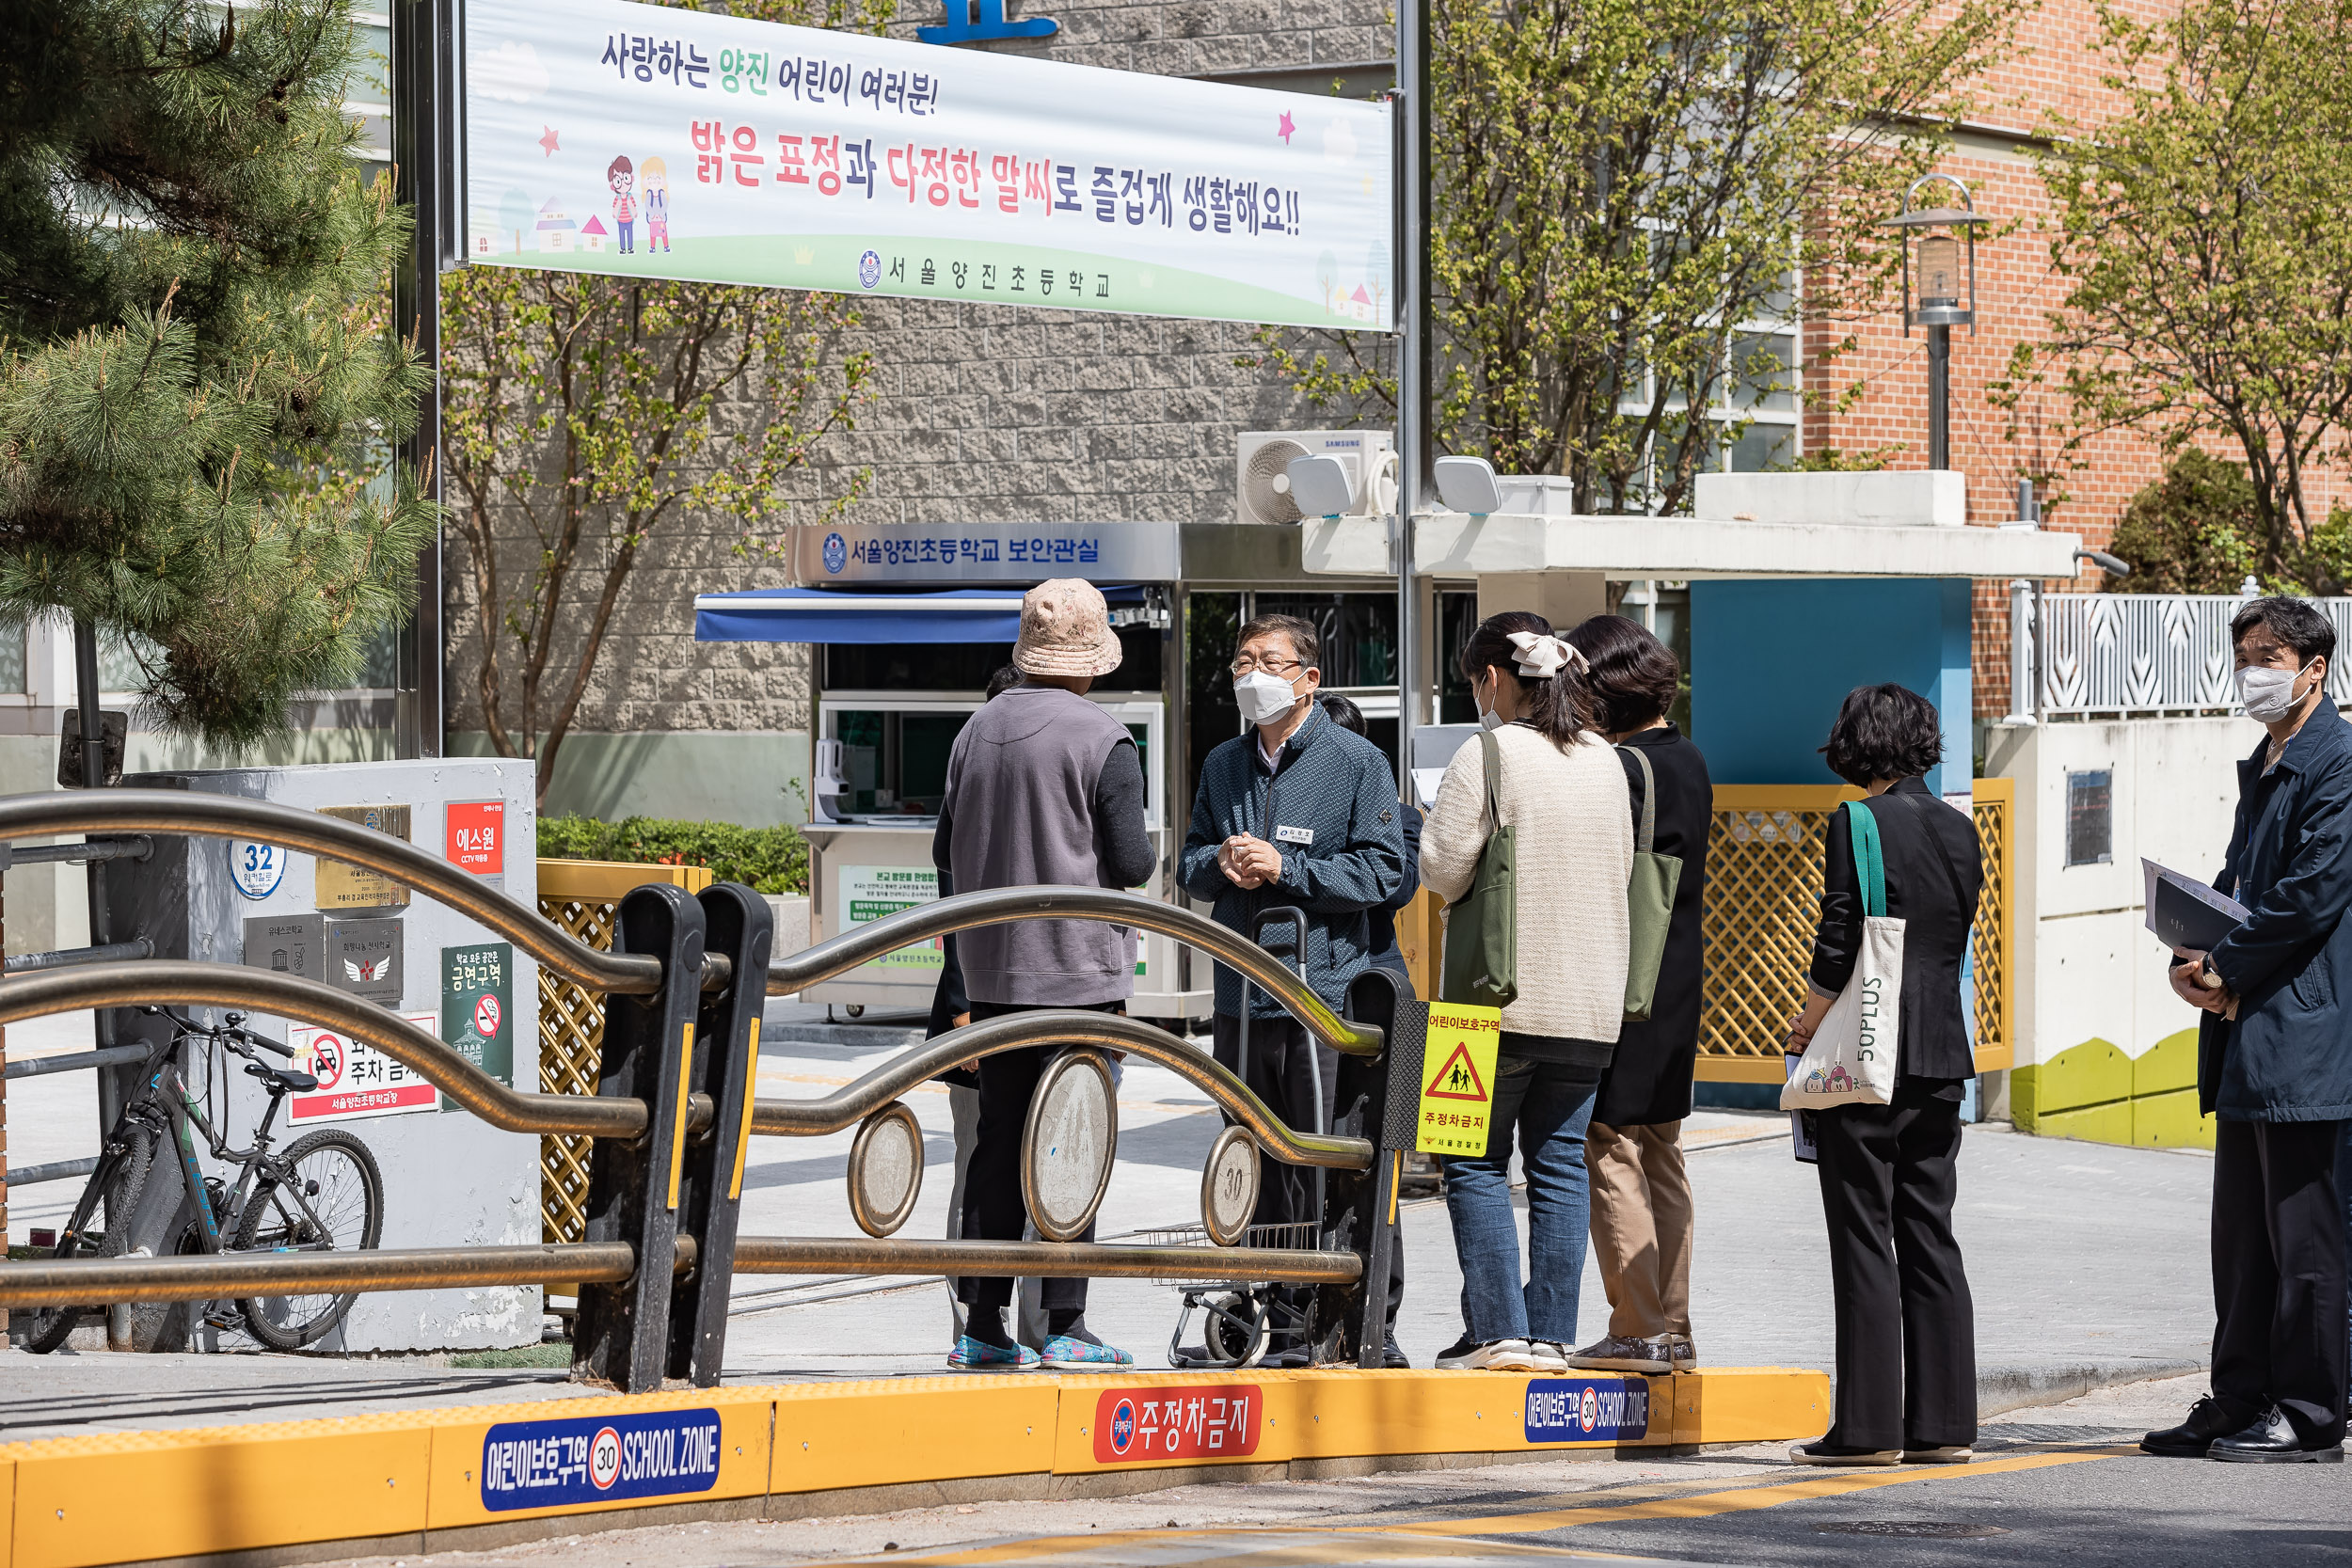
(599, 1459)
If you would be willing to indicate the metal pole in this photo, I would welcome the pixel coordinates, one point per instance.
(423, 114)
(85, 703)
(1939, 397)
(1416, 443)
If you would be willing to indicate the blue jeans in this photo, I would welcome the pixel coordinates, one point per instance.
(1544, 1106)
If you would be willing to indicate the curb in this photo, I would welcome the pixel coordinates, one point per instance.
(419, 1480)
(2001, 1389)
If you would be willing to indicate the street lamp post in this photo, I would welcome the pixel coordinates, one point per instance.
(1939, 255)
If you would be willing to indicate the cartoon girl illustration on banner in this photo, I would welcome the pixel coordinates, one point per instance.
(653, 183)
(620, 176)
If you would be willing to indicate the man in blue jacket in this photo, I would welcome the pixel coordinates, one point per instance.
(1295, 811)
(2275, 1063)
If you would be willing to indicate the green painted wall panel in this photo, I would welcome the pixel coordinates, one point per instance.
(2171, 1121)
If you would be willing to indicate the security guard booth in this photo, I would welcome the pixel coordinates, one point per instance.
(908, 624)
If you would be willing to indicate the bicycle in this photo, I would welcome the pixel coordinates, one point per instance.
(324, 1193)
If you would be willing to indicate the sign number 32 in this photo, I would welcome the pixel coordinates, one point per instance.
(256, 867)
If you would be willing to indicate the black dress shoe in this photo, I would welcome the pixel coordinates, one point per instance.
(2273, 1440)
(2208, 1420)
(1392, 1357)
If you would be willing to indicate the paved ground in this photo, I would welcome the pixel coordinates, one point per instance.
(2087, 1261)
(2053, 1484)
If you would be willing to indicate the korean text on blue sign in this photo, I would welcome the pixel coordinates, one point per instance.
(1587, 1409)
(599, 1459)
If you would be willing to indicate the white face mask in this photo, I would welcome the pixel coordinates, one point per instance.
(1487, 718)
(1264, 698)
(2268, 695)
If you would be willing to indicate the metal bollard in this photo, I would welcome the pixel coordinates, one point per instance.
(742, 928)
(623, 1333)
(1378, 1098)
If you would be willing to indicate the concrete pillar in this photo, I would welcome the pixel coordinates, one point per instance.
(1564, 598)
(1770, 661)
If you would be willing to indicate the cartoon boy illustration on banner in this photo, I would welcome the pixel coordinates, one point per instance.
(653, 183)
(620, 176)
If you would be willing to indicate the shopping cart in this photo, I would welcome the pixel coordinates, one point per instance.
(1240, 1317)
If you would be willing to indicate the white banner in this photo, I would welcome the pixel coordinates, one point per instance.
(609, 137)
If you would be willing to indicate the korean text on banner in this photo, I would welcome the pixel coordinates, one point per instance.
(1458, 1073)
(645, 141)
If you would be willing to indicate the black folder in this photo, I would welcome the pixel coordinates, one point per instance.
(2185, 914)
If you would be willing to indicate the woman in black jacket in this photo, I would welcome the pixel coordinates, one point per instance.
(1906, 1326)
(1642, 1215)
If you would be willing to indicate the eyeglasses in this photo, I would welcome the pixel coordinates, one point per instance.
(1245, 664)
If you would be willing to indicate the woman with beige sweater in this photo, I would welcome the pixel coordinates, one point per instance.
(1563, 790)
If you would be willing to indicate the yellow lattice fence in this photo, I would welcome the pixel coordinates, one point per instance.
(1763, 900)
(580, 896)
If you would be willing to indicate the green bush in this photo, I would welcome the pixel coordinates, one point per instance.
(772, 860)
(2191, 531)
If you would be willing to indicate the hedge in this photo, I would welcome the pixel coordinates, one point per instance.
(772, 860)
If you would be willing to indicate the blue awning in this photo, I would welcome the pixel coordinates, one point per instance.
(824, 615)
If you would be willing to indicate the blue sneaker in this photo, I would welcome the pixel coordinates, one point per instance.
(1068, 1352)
(978, 1356)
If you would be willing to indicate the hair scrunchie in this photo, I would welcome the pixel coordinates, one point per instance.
(1542, 657)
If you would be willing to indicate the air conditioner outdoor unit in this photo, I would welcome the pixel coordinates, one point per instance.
(1261, 476)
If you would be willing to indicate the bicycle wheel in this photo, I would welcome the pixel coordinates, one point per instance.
(339, 1184)
(117, 1183)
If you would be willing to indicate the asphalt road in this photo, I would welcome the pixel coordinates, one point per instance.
(2056, 1484)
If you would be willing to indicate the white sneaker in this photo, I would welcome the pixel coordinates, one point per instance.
(1550, 1355)
(1497, 1355)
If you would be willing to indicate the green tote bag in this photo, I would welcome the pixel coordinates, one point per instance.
(1649, 901)
(1481, 927)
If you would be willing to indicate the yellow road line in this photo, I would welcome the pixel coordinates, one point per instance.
(1740, 1499)
(1391, 1539)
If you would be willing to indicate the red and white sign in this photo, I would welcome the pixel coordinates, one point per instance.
(486, 1018)
(476, 833)
(356, 1080)
(1137, 1426)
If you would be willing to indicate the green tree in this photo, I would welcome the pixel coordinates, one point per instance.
(2192, 531)
(2203, 236)
(589, 418)
(198, 387)
(1617, 183)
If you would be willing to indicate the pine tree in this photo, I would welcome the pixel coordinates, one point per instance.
(199, 388)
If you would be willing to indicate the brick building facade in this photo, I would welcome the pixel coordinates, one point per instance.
(997, 413)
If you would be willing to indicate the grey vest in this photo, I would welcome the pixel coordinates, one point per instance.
(1020, 801)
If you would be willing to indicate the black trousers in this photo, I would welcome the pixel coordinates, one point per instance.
(993, 1206)
(2279, 1272)
(1278, 1072)
(1906, 1326)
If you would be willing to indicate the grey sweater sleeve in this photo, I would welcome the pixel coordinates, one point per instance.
(1118, 800)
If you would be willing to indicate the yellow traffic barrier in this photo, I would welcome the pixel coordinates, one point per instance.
(414, 1480)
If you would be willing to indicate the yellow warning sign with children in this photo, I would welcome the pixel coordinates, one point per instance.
(1457, 1087)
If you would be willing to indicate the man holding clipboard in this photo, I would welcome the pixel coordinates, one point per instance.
(2275, 1058)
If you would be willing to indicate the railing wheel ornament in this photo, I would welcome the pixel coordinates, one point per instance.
(1229, 1187)
(1067, 1143)
(885, 1169)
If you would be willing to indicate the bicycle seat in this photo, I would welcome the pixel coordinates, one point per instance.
(285, 1078)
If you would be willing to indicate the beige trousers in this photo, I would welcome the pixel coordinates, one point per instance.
(1641, 1226)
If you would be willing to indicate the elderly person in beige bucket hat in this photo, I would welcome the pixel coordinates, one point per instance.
(1043, 787)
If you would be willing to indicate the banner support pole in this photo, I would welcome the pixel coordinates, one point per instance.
(1416, 443)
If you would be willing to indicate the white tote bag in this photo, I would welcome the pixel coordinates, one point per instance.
(1850, 1060)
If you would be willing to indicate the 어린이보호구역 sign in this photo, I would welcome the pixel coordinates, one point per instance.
(1458, 1073)
(636, 140)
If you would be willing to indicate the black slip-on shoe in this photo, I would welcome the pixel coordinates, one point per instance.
(2271, 1439)
(2208, 1420)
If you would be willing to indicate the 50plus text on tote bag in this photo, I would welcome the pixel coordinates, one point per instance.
(1850, 1059)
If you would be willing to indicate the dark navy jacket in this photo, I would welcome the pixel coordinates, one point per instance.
(1331, 810)
(2289, 1055)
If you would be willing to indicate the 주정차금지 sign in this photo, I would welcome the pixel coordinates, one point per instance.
(356, 1080)
(1457, 1078)
(645, 141)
